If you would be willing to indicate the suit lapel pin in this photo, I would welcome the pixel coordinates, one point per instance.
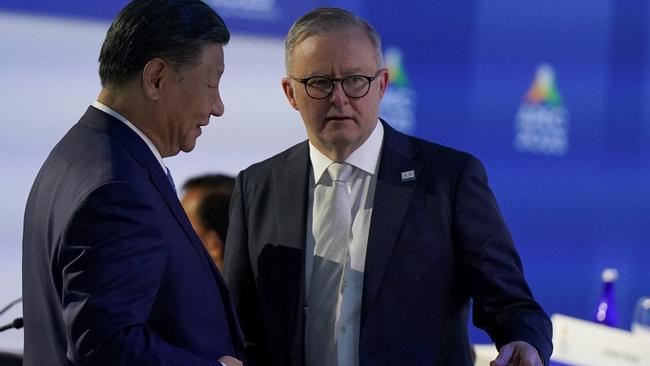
(408, 175)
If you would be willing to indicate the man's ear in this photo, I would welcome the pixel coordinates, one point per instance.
(289, 92)
(383, 82)
(153, 77)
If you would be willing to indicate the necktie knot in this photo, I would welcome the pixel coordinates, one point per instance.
(339, 172)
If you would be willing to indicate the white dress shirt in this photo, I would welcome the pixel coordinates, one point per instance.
(361, 185)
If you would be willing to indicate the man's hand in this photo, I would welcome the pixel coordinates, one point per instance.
(230, 361)
(517, 353)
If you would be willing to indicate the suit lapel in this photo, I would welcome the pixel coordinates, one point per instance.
(101, 121)
(163, 185)
(160, 181)
(393, 196)
(290, 188)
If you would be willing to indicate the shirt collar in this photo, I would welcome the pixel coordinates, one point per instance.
(99, 105)
(365, 157)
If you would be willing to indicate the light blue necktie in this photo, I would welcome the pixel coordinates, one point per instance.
(332, 225)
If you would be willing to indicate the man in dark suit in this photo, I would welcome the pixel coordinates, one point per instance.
(113, 273)
(363, 246)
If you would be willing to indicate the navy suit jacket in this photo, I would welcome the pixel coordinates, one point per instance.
(113, 273)
(434, 242)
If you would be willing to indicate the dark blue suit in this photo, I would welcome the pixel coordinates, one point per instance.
(113, 273)
(434, 243)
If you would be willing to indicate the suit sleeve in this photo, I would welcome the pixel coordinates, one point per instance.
(503, 303)
(113, 257)
(240, 278)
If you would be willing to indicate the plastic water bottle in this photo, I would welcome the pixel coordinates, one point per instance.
(606, 312)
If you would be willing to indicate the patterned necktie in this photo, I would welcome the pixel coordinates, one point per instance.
(171, 180)
(332, 227)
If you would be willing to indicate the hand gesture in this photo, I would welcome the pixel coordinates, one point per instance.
(517, 353)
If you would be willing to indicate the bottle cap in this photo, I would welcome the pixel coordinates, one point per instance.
(610, 275)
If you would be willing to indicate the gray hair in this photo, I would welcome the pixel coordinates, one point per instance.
(328, 20)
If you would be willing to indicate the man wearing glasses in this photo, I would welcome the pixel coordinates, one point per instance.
(363, 246)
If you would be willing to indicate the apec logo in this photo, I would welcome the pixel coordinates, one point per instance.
(398, 105)
(541, 123)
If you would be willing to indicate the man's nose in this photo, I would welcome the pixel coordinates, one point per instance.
(218, 107)
(338, 96)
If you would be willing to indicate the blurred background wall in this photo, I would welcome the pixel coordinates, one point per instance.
(553, 96)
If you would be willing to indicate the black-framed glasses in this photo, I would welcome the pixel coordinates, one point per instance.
(354, 86)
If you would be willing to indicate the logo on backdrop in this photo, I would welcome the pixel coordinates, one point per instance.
(246, 9)
(398, 105)
(542, 123)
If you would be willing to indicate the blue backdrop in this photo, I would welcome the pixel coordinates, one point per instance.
(554, 98)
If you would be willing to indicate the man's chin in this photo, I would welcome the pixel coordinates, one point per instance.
(338, 139)
(340, 124)
(342, 133)
(189, 147)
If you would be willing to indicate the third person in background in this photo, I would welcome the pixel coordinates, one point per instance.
(206, 199)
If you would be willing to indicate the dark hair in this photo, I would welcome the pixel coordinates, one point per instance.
(174, 30)
(214, 206)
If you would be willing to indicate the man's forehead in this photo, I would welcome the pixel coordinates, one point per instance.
(334, 67)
